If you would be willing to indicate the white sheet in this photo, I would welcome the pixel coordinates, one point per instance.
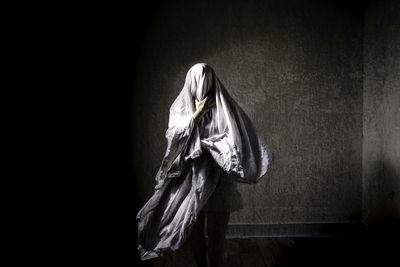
(224, 139)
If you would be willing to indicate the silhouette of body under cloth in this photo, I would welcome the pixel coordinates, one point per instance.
(211, 144)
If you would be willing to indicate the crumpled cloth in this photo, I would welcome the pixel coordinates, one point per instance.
(224, 141)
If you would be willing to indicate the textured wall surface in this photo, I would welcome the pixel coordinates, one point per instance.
(296, 68)
(381, 145)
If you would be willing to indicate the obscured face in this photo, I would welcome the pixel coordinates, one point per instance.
(201, 81)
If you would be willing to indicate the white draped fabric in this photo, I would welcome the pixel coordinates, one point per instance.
(224, 140)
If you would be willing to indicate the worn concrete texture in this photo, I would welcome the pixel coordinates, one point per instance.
(381, 130)
(296, 68)
(293, 252)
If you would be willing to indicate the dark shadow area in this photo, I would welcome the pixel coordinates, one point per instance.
(382, 196)
(206, 245)
(369, 247)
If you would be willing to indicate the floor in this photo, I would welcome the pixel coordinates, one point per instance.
(300, 251)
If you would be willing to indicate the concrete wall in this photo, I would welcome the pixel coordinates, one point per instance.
(296, 69)
(381, 130)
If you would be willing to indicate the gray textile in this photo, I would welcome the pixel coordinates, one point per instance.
(224, 142)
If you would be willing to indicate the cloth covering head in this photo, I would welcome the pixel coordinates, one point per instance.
(200, 79)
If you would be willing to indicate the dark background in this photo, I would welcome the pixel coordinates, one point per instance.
(323, 74)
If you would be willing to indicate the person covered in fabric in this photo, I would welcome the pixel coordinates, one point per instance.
(211, 143)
